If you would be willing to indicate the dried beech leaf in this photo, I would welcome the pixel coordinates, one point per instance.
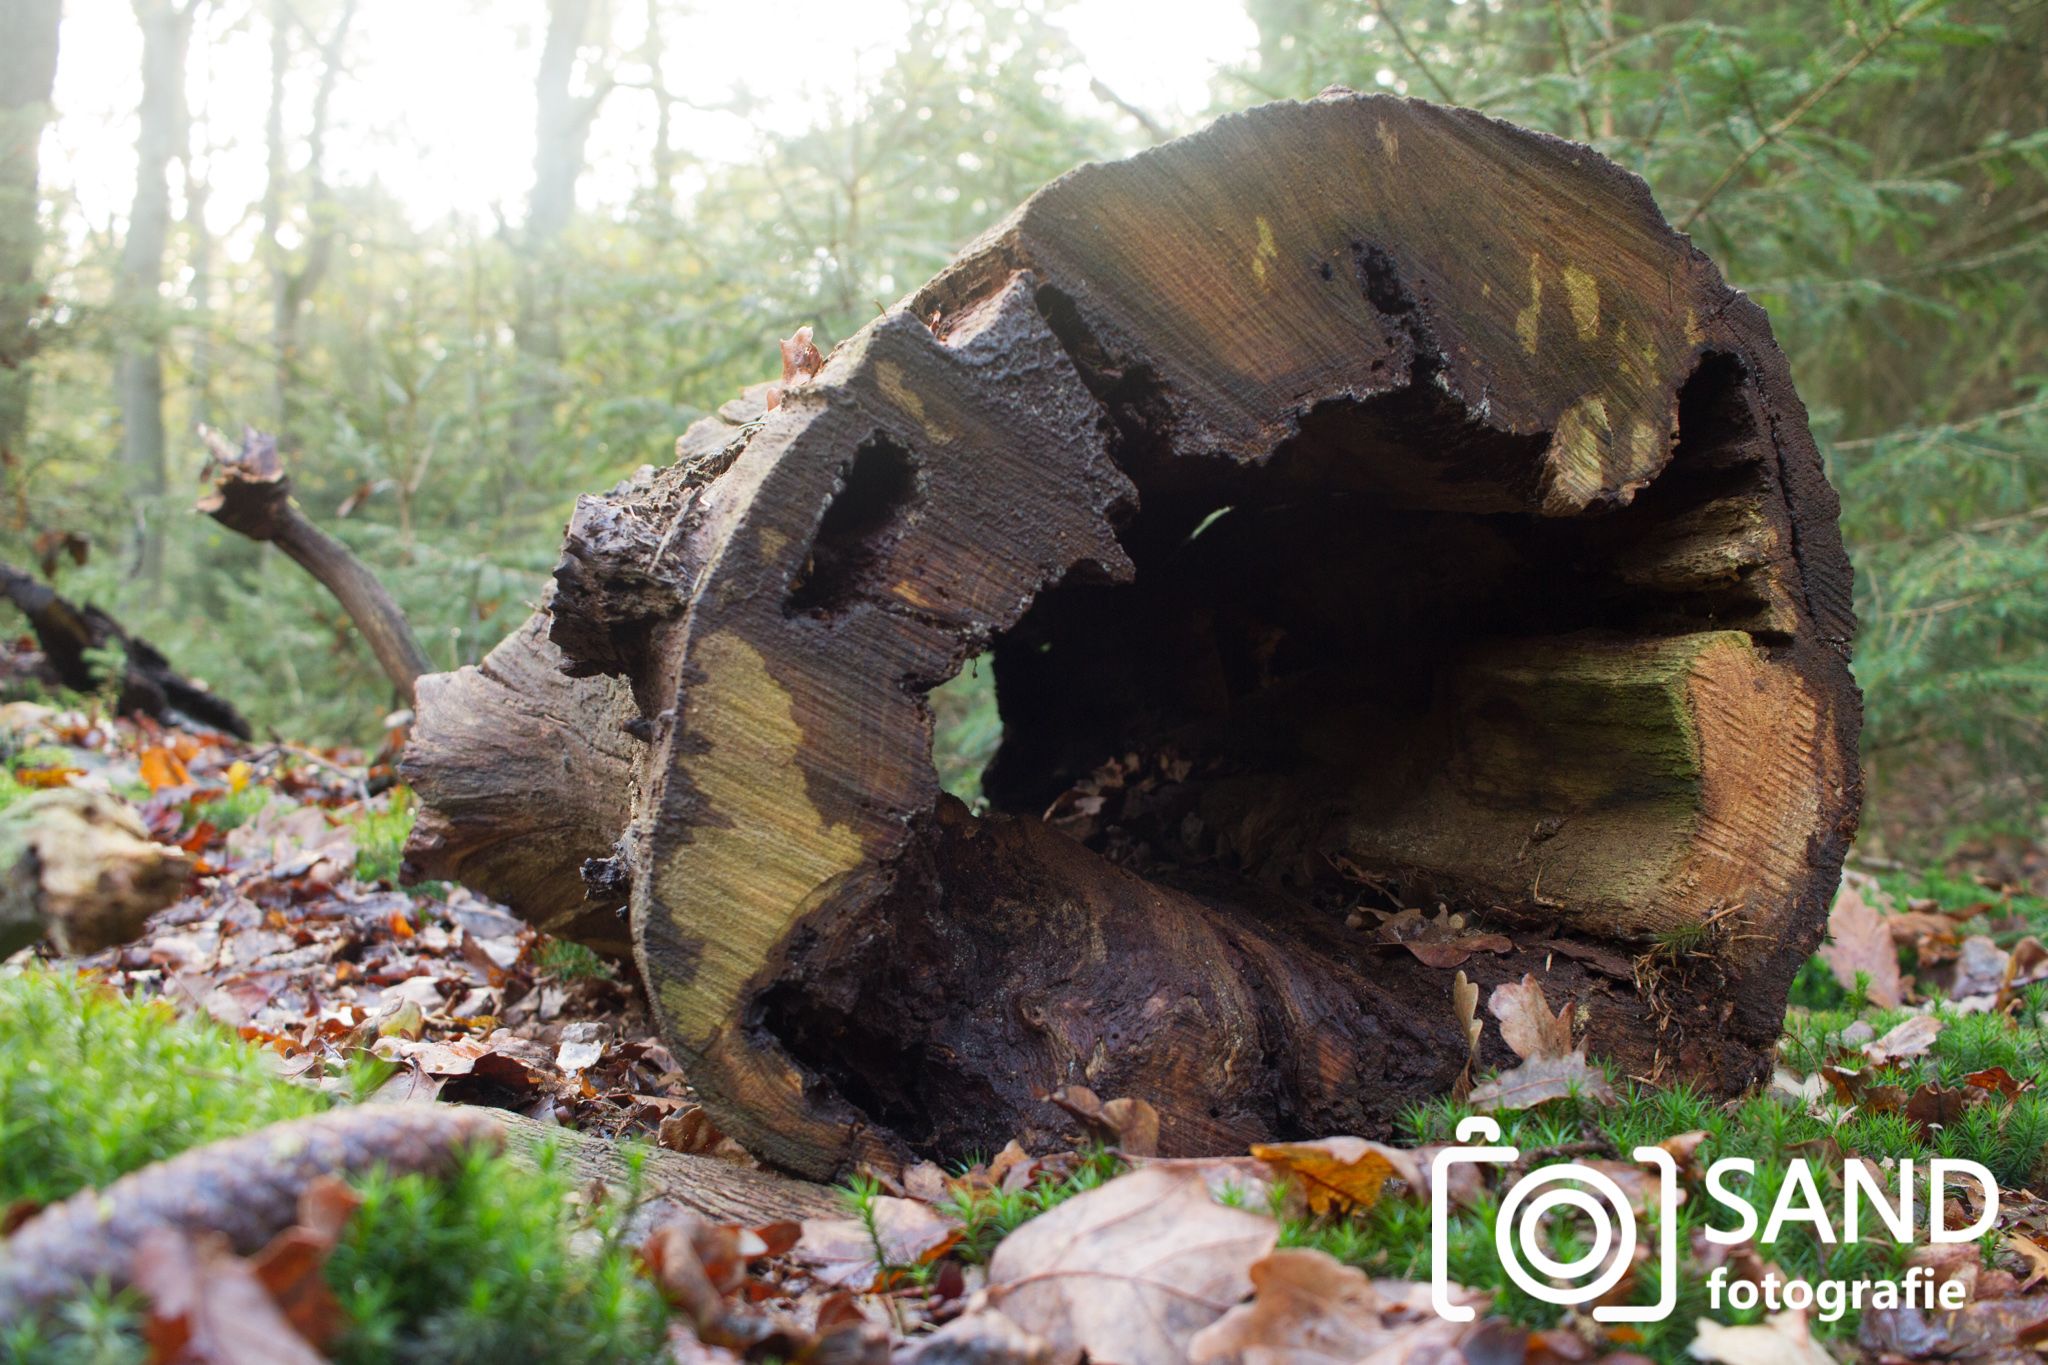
(1781, 1339)
(1130, 1271)
(1860, 941)
(1311, 1309)
(842, 1253)
(1911, 1038)
(207, 1307)
(1542, 1079)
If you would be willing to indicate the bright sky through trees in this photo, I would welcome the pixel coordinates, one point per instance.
(438, 107)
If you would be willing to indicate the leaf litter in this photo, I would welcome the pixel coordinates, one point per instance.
(292, 935)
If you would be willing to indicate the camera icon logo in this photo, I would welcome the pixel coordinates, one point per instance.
(1518, 1231)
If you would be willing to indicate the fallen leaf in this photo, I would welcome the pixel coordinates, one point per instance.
(1542, 1079)
(1859, 942)
(582, 1045)
(2032, 1253)
(1465, 1003)
(844, 1253)
(1781, 1339)
(1130, 1125)
(2001, 1330)
(207, 1306)
(161, 769)
(1441, 942)
(981, 1337)
(1526, 1023)
(1131, 1270)
(2000, 1081)
(1551, 1068)
(1979, 968)
(1933, 1107)
(1341, 1173)
(1311, 1309)
(1911, 1038)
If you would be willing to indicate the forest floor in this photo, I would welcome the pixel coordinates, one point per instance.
(295, 977)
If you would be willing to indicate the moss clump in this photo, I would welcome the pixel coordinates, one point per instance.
(497, 1263)
(94, 1085)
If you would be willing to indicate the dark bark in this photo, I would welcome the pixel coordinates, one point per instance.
(1366, 506)
(70, 634)
(252, 496)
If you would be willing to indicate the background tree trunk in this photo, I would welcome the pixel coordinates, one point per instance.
(28, 70)
(139, 374)
(296, 273)
(561, 129)
(1370, 509)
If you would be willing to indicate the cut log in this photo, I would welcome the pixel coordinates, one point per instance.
(78, 868)
(70, 635)
(1366, 505)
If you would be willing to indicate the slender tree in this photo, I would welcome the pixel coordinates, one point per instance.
(296, 274)
(139, 373)
(28, 69)
(562, 120)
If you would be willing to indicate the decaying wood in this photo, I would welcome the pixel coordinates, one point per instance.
(252, 496)
(1365, 505)
(246, 1189)
(69, 634)
(78, 868)
(706, 1186)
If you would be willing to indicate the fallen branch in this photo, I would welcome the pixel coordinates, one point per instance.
(717, 1190)
(246, 1189)
(252, 496)
(70, 635)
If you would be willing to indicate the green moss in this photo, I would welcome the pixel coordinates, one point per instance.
(566, 961)
(93, 1086)
(485, 1267)
(381, 829)
(495, 1264)
(988, 1216)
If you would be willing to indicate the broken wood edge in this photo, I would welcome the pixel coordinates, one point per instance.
(741, 857)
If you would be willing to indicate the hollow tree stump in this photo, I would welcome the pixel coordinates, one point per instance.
(1364, 504)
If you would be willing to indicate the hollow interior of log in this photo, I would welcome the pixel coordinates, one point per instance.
(1363, 675)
